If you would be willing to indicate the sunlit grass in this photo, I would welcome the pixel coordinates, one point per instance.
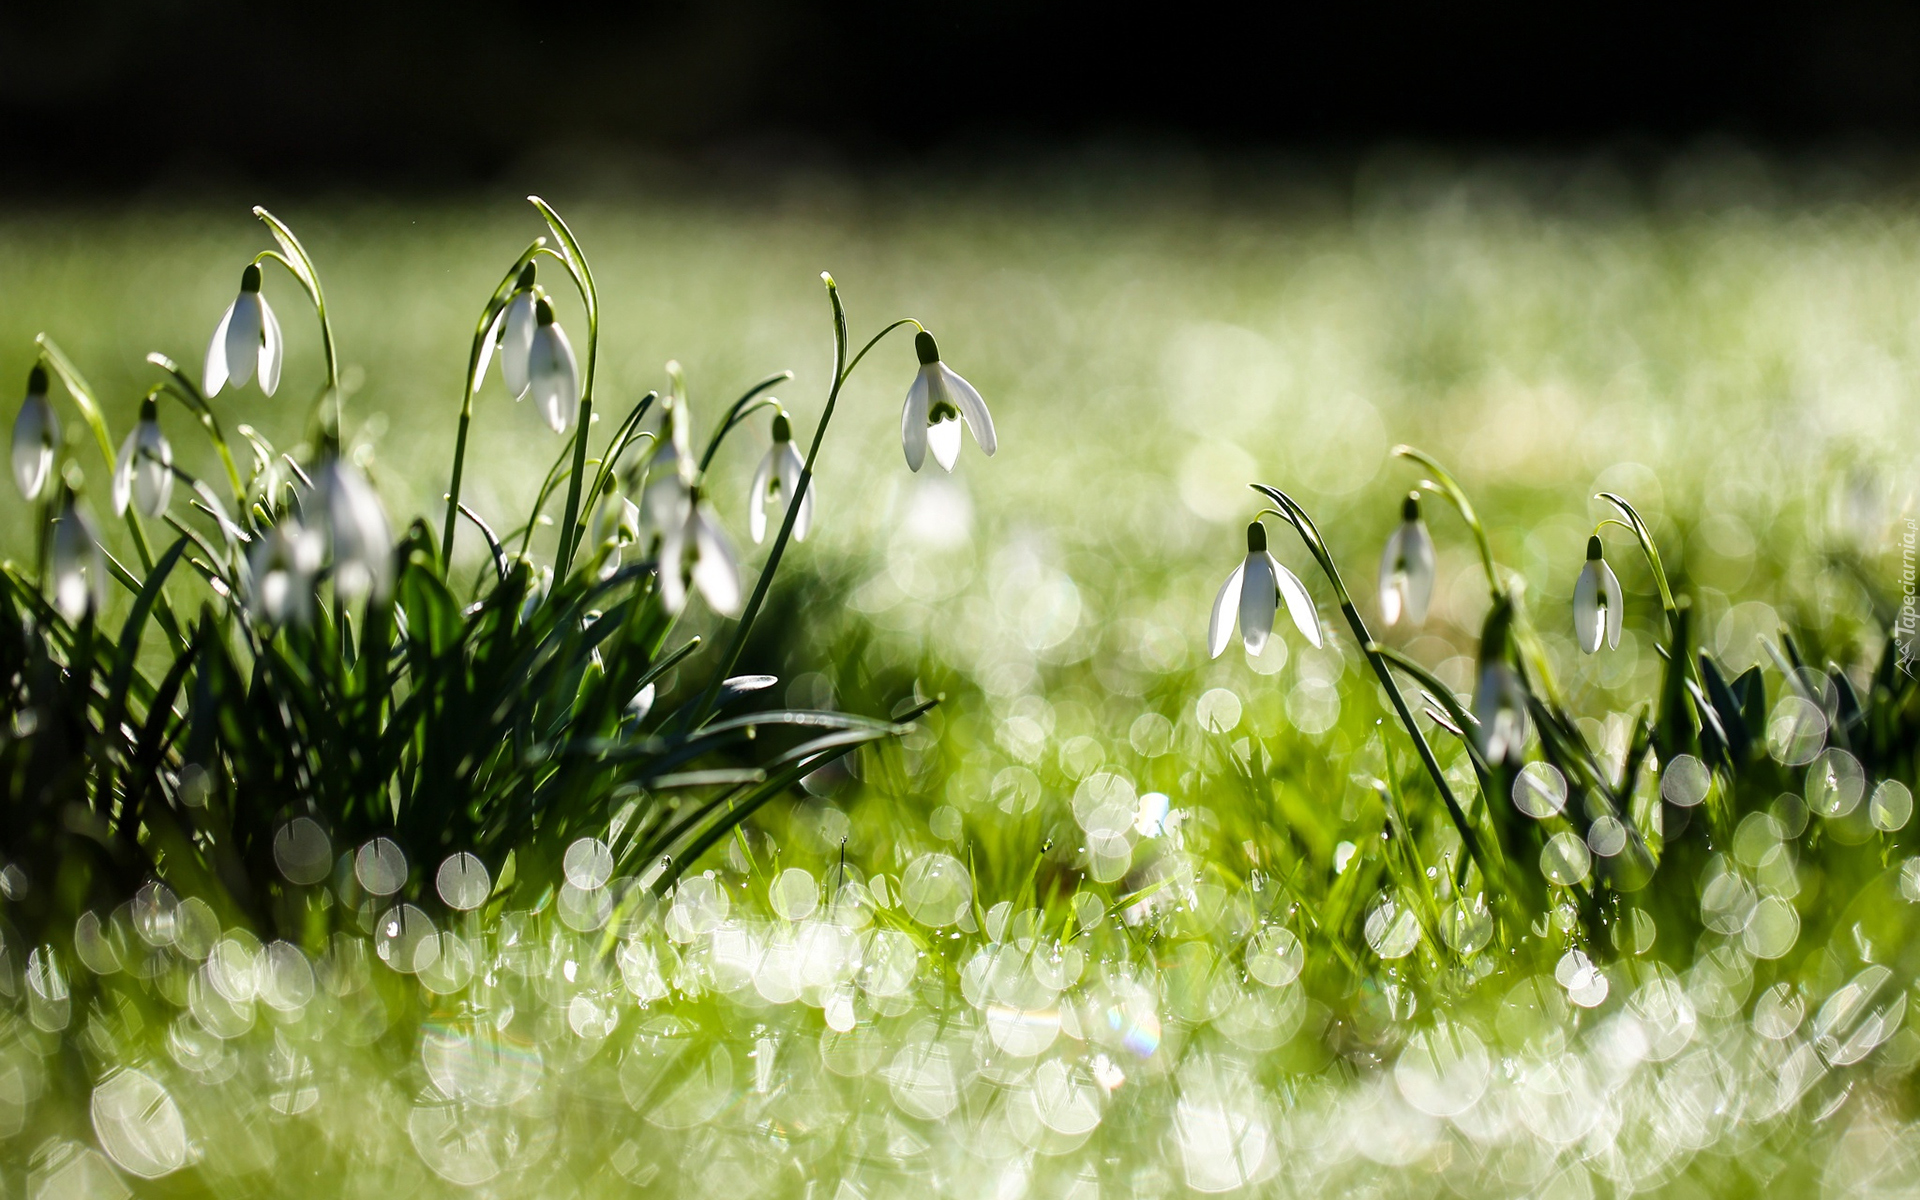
(929, 974)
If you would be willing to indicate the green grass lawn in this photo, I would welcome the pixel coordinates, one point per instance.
(1116, 918)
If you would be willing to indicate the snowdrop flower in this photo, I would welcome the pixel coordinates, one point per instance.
(1596, 602)
(670, 471)
(145, 472)
(36, 432)
(283, 565)
(512, 335)
(248, 335)
(356, 529)
(1500, 701)
(697, 551)
(937, 403)
(79, 565)
(1500, 707)
(1254, 591)
(777, 479)
(553, 376)
(1406, 569)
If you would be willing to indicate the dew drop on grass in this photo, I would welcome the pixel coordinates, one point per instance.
(1218, 710)
(794, 894)
(1778, 1012)
(463, 882)
(1392, 929)
(381, 867)
(1275, 956)
(1772, 928)
(1891, 806)
(302, 852)
(1835, 784)
(1585, 984)
(1910, 880)
(1564, 859)
(1685, 780)
(936, 890)
(1540, 791)
(1796, 731)
(1467, 925)
(139, 1125)
(1151, 735)
(588, 864)
(405, 940)
(1607, 836)
(1443, 1071)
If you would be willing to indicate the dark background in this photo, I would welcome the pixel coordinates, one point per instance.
(118, 96)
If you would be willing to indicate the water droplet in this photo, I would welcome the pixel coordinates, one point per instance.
(381, 867)
(588, 864)
(936, 889)
(302, 852)
(139, 1125)
(463, 882)
(1685, 781)
(1540, 790)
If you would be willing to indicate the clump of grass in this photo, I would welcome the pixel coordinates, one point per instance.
(1398, 927)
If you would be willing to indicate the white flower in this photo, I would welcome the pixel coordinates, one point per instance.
(697, 549)
(512, 334)
(283, 565)
(144, 474)
(36, 432)
(777, 479)
(1254, 591)
(357, 534)
(1406, 569)
(937, 403)
(552, 374)
(1596, 602)
(79, 566)
(669, 489)
(1500, 707)
(248, 335)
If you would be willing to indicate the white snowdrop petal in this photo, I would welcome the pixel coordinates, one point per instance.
(272, 348)
(1299, 604)
(1226, 604)
(123, 474)
(943, 439)
(487, 343)
(1587, 617)
(1418, 552)
(243, 338)
(1610, 588)
(1259, 601)
(1392, 579)
(972, 408)
(516, 344)
(791, 465)
(716, 572)
(913, 421)
(757, 497)
(213, 376)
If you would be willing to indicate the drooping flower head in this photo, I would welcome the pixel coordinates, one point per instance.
(1596, 602)
(1253, 593)
(697, 551)
(937, 403)
(777, 480)
(512, 335)
(354, 525)
(79, 565)
(247, 337)
(671, 468)
(1406, 568)
(553, 377)
(144, 474)
(283, 564)
(36, 434)
(1500, 700)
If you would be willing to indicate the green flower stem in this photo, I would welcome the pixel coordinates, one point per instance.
(188, 393)
(300, 264)
(1304, 526)
(1642, 534)
(575, 262)
(739, 413)
(501, 295)
(83, 399)
(842, 368)
(1444, 482)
